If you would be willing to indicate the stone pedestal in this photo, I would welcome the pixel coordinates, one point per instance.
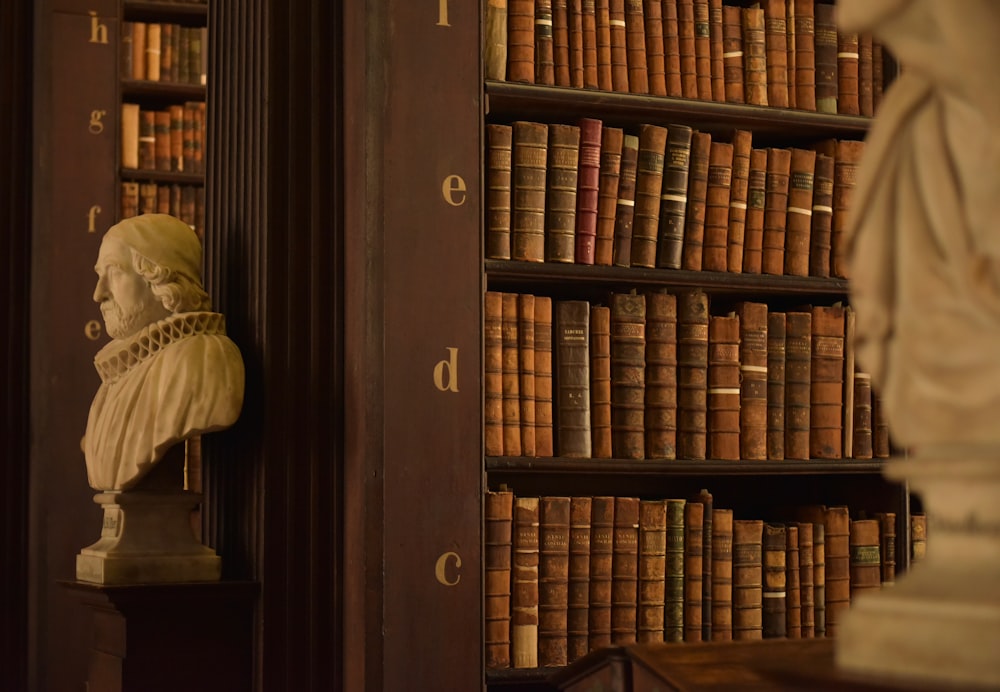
(941, 621)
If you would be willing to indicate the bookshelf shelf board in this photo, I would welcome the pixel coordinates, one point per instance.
(660, 467)
(499, 677)
(182, 12)
(508, 101)
(165, 91)
(143, 176)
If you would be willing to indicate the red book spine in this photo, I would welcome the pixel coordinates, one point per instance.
(607, 194)
(588, 190)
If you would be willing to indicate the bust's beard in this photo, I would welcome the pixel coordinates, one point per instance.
(120, 323)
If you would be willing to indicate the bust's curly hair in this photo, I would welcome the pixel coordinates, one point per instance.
(176, 291)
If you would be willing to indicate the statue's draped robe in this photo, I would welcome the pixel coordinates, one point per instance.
(176, 378)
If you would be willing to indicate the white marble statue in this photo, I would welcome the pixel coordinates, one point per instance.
(170, 372)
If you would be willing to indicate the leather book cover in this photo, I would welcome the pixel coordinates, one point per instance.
(845, 178)
(673, 201)
(755, 91)
(553, 580)
(572, 331)
(526, 370)
(774, 590)
(493, 374)
(716, 51)
(495, 40)
(671, 47)
(847, 73)
(686, 44)
(673, 630)
(544, 446)
(715, 250)
(560, 195)
(798, 222)
(838, 566)
(753, 380)
(147, 198)
(826, 402)
(661, 376)
(140, 31)
(878, 75)
(531, 144)
(628, 375)
(887, 546)
(866, 88)
(625, 206)
(705, 498)
(722, 575)
(652, 570)
(154, 48)
(753, 234)
(602, 519)
(510, 377)
(619, 45)
(819, 578)
(918, 536)
(648, 187)
(130, 136)
(826, 57)
(798, 383)
(545, 67)
(600, 381)
(697, 192)
(567, 30)
(738, 192)
(497, 537)
(806, 587)
(126, 63)
(176, 137)
(655, 66)
(702, 50)
(748, 579)
(607, 194)
(866, 555)
(147, 140)
(635, 47)
(578, 602)
(588, 39)
(790, 50)
(779, 163)
(692, 374)
(625, 571)
(732, 53)
(776, 52)
(793, 589)
(724, 387)
(524, 585)
(822, 217)
(862, 447)
(805, 55)
(776, 385)
(880, 431)
(603, 21)
(130, 199)
(588, 190)
(694, 570)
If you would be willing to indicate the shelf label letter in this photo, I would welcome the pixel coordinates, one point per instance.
(92, 218)
(96, 125)
(451, 185)
(447, 368)
(443, 13)
(98, 31)
(92, 330)
(442, 563)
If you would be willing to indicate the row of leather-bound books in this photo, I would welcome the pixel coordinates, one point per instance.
(567, 575)
(779, 53)
(657, 376)
(666, 197)
(162, 52)
(186, 202)
(168, 139)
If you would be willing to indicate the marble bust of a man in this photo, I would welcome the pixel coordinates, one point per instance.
(170, 372)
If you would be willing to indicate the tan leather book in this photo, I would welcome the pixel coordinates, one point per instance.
(568, 14)
(776, 385)
(776, 51)
(526, 370)
(732, 53)
(827, 398)
(753, 234)
(628, 375)
(845, 176)
(543, 377)
(572, 332)
(625, 571)
(878, 75)
(774, 584)
(724, 387)
(553, 580)
(603, 27)
(635, 47)
(755, 63)
(753, 361)
(602, 517)
(137, 44)
(588, 190)
(619, 45)
(880, 432)
(495, 40)
(600, 381)
(715, 50)
(779, 162)
(588, 22)
(715, 250)
(130, 146)
(703, 50)
(493, 434)
(671, 47)
(607, 194)
(531, 143)
(510, 376)
(748, 579)
(673, 200)
(660, 416)
(805, 55)
(918, 537)
(793, 590)
(694, 572)
(578, 603)
(655, 65)
(866, 556)
(154, 49)
(798, 222)
(625, 207)
(798, 383)
(692, 374)
(722, 575)
(826, 57)
(686, 46)
(498, 547)
(862, 438)
(887, 545)
(738, 192)
(676, 573)
(560, 196)
(545, 66)
(652, 570)
(790, 50)
(848, 83)
(806, 588)
(697, 192)
(822, 217)
(838, 567)
(524, 585)
(648, 187)
(705, 498)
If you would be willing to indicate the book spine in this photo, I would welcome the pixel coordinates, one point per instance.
(862, 416)
(693, 536)
(154, 45)
(918, 537)
(497, 537)
(702, 50)
(747, 579)
(562, 40)
(624, 571)
(866, 93)
(602, 515)
(827, 395)
(822, 217)
(692, 374)
(866, 557)
(671, 48)
(798, 222)
(147, 140)
(722, 575)
(697, 192)
(648, 188)
(560, 200)
(878, 75)
(600, 381)
(661, 376)
(776, 386)
(793, 589)
(806, 586)
(790, 50)
(887, 544)
(543, 377)
(130, 146)
(130, 199)
(526, 370)
(845, 176)
(732, 53)
(774, 594)
(753, 234)
(573, 381)
(521, 41)
(588, 190)
(588, 22)
(776, 53)
(754, 57)
(805, 55)
(578, 602)
(705, 498)
(635, 47)
(553, 580)
(779, 162)
(607, 195)
(716, 50)
(686, 48)
(625, 207)
(628, 375)
(819, 579)
(652, 11)
(673, 630)
(715, 251)
(603, 29)
(176, 137)
(493, 373)
(847, 73)
(838, 567)
(753, 382)
(524, 584)
(652, 570)
(510, 376)
(545, 66)
(739, 190)
(495, 40)
(724, 387)
(798, 383)
(880, 432)
(826, 57)
(673, 200)
(528, 207)
(619, 45)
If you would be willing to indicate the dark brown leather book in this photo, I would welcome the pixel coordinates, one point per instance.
(495, 40)
(602, 520)
(176, 137)
(531, 143)
(918, 537)
(822, 217)
(553, 579)
(748, 579)
(130, 199)
(498, 175)
(671, 48)
(572, 331)
(147, 140)
(126, 55)
(560, 199)
(694, 532)
(790, 50)
(578, 603)
(686, 42)
(717, 197)
(628, 375)
(648, 187)
(753, 234)
(880, 432)
(776, 51)
(755, 91)
(862, 447)
(510, 376)
(498, 545)
(878, 75)
(625, 571)
(819, 578)
(607, 194)
(702, 50)
(742, 144)
(845, 176)
(625, 207)
(673, 200)
(147, 198)
(826, 57)
(887, 546)
(774, 592)
(776, 385)
(545, 67)
(543, 377)
(589, 39)
(660, 416)
(619, 45)
(848, 87)
(673, 628)
(798, 383)
(524, 585)
(574, 13)
(697, 192)
(779, 162)
(652, 11)
(805, 55)
(798, 222)
(603, 21)
(866, 556)
(526, 370)
(724, 387)
(705, 498)
(793, 590)
(493, 434)
(652, 570)
(588, 189)
(866, 87)
(827, 399)
(838, 567)
(753, 361)
(806, 588)
(732, 53)
(635, 45)
(716, 51)
(600, 381)
(692, 374)
(722, 575)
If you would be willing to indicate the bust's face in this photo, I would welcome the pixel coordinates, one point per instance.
(127, 302)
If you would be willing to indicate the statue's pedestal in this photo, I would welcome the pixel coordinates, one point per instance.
(941, 621)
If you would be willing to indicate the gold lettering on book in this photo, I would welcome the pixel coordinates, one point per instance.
(447, 368)
(96, 125)
(98, 31)
(440, 568)
(443, 13)
(451, 185)
(92, 330)
(92, 218)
